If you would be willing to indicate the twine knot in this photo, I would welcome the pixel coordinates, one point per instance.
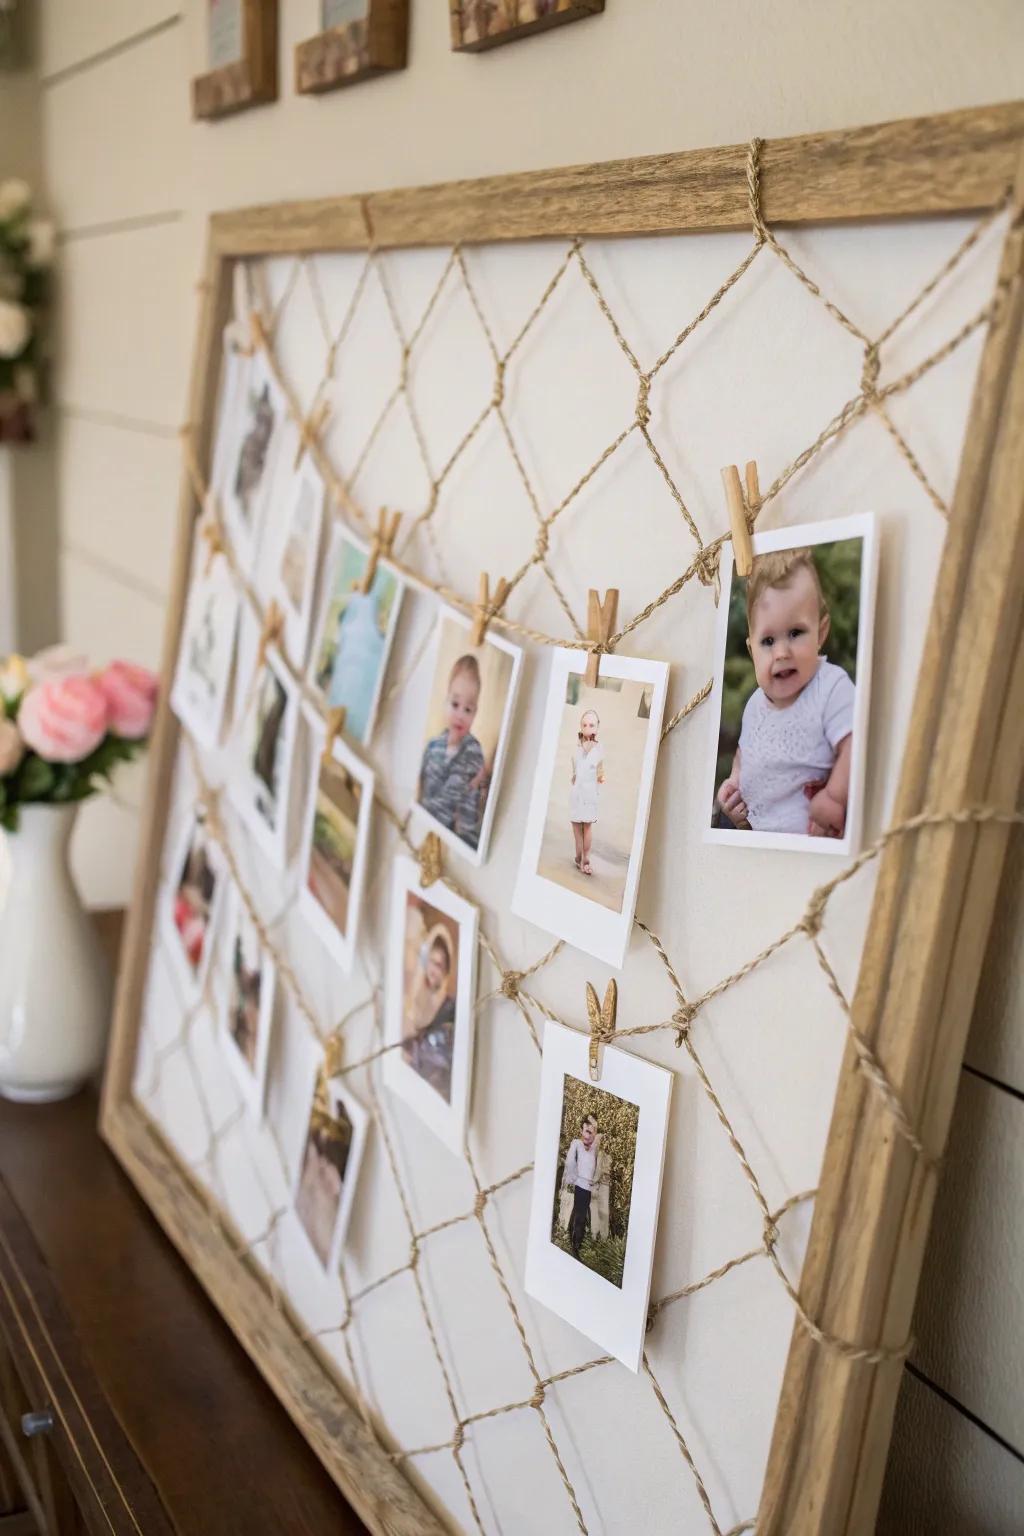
(708, 564)
(498, 397)
(537, 1400)
(510, 983)
(403, 372)
(869, 372)
(643, 410)
(414, 1253)
(771, 1233)
(684, 1017)
(815, 914)
(479, 1203)
(272, 633)
(214, 538)
(459, 1438)
(652, 1313)
(542, 543)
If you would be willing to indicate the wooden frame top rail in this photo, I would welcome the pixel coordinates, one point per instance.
(955, 163)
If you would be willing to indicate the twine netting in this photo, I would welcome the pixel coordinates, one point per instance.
(509, 992)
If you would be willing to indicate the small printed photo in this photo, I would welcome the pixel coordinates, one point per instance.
(297, 556)
(789, 705)
(262, 783)
(336, 841)
(196, 895)
(354, 634)
(598, 1165)
(248, 1020)
(225, 32)
(206, 652)
(430, 1001)
(328, 1170)
(592, 792)
(248, 467)
(472, 696)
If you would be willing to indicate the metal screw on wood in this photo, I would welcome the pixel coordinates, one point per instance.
(38, 1423)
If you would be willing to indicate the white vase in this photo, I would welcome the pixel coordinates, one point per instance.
(55, 987)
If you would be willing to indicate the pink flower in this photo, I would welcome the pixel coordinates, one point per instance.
(12, 748)
(65, 719)
(57, 661)
(130, 692)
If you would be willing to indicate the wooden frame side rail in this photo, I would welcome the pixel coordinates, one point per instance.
(936, 887)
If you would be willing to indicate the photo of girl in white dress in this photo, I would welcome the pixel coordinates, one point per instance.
(587, 777)
(354, 635)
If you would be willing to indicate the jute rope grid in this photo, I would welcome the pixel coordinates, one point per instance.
(512, 985)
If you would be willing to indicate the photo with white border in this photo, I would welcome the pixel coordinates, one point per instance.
(193, 902)
(813, 739)
(430, 1013)
(335, 842)
(327, 1171)
(297, 554)
(206, 652)
(247, 469)
(260, 784)
(248, 1018)
(587, 823)
(353, 633)
(610, 1312)
(472, 694)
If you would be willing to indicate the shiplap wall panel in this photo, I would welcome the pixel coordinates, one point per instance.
(102, 167)
(996, 1042)
(106, 615)
(119, 492)
(74, 31)
(126, 335)
(946, 1477)
(970, 1313)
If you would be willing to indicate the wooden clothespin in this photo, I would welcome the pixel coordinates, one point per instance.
(602, 1024)
(212, 533)
(258, 330)
(271, 634)
(741, 510)
(381, 545)
(238, 331)
(335, 727)
(430, 860)
(334, 1055)
(601, 617)
(311, 428)
(486, 609)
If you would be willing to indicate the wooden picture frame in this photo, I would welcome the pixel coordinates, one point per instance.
(936, 888)
(249, 80)
(480, 24)
(357, 50)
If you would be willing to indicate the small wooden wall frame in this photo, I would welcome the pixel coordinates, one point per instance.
(249, 80)
(370, 45)
(936, 890)
(480, 24)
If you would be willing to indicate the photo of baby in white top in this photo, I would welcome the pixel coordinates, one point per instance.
(786, 742)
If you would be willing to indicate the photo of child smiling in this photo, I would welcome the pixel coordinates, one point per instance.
(785, 747)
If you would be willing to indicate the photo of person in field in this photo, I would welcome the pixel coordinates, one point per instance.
(592, 808)
(785, 748)
(325, 1160)
(332, 857)
(431, 971)
(596, 1155)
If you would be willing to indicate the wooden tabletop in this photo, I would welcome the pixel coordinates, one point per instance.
(219, 1448)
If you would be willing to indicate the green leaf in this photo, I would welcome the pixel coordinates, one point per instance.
(9, 818)
(34, 778)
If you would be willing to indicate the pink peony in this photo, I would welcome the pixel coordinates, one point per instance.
(65, 719)
(130, 692)
(57, 661)
(12, 748)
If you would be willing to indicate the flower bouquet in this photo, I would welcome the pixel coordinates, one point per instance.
(63, 729)
(26, 253)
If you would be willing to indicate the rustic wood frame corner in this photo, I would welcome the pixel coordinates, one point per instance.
(468, 40)
(359, 50)
(248, 81)
(936, 890)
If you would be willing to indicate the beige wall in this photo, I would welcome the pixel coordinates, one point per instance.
(131, 179)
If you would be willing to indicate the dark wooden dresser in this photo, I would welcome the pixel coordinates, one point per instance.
(128, 1407)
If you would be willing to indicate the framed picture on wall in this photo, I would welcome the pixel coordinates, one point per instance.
(241, 54)
(359, 39)
(479, 24)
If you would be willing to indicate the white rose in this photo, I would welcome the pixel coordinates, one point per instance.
(14, 677)
(15, 328)
(57, 661)
(15, 197)
(42, 242)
